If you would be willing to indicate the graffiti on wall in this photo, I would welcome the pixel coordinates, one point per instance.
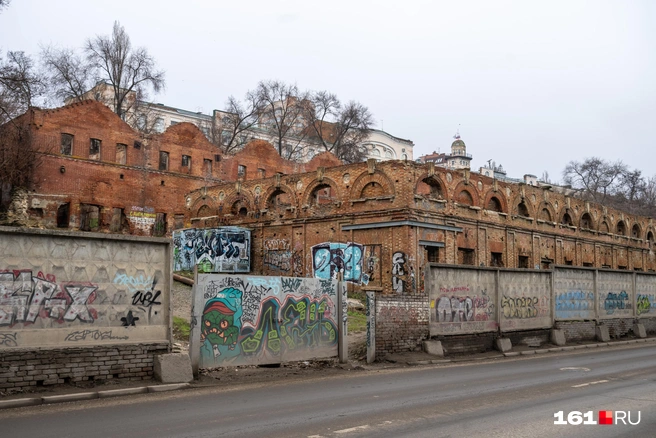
(250, 319)
(142, 218)
(616, 301)
(522, 307)
(329, 259)
(24, 298)
(371, 265)
(398, 272)
(645, 303)
(225, 249)
(467, 308)
(576, 304)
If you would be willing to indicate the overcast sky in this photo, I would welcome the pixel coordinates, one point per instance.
(532, 85)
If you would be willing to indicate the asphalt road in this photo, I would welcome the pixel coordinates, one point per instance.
(503, 398)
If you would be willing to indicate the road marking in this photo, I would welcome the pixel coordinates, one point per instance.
(353, 429)
(589, 383)
(575, 369)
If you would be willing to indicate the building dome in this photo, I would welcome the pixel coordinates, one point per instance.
(458, 144)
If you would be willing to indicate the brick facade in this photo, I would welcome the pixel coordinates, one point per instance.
(134, 183)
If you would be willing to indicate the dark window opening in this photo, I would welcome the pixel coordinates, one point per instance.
(567, 220)
(279, 200)
(496, 259)
(241, 171)
(622, 267)
(522, 209)
(186, 161)
(635, 231)
(66, 144)
(522, 262)
(621, 228)
(466, 256)
(432, 254)
(650, 237)
(63, 215)
(568, 263)
(94, 149)
(261, 173)
(546, 263)
(163, 160)
(137, 144)
(586, 221)
(588, 264)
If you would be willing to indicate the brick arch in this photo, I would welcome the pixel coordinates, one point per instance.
(233, 199)
(649, 237)
(469, 188)
(366, 178)
(605, 225)
(636, 231)
(546, 206)
(203, 201)
(529, 206)
(621, 228)
(307, 194)
(570, 213)
(583, 219)
(503, 203)
(424, 180)
(293, 202)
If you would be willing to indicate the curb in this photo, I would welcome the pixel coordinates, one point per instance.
(578, 347)
(64, 398)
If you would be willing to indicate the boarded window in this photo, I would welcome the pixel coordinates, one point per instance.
(496, 259)
(163, 160)
(94, 149)
(522, 262)
(160, 225)
(432, 254)
(119, 221)
(466, 256)
(66, 144)
(89, 217)
(121, 153)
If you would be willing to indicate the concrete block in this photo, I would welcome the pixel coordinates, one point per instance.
(503, 344)
(558, 337)
(433, 347)
(173, 368)
(601, 332)
(639, 330)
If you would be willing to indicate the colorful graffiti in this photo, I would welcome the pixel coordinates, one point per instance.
(249, 320)
(464, 308)
(645, 303)
(575, 304)
(616, 301)
(225, 249)
(329, 259)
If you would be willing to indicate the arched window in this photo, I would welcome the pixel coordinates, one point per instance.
(621, 228)
(431, 188)
(522, 209)
(494, 204)
(279, 200)
(388, 154)
(464, 197)
(603, 227)
(545, 215)
(371, 190)
(204, 211)
(586, 221)
(321, 195)
(375, 152)
(650, 237)
(635, 231)
(567, 219)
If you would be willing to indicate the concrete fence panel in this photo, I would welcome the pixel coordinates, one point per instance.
(645, 294)
(462, 301)
(574, 294)
(524, 300)
(251, 320)
(62, 289)
(615, 297)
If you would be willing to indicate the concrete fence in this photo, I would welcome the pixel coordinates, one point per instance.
(250, 320)
(78, 306)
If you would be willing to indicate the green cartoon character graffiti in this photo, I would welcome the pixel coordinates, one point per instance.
(220, 326)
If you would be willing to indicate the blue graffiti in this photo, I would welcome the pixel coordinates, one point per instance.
(575, 304)
(329, 259)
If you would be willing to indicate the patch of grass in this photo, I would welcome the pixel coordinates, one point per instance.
(186, 274)
(181, 328)
(357, 321)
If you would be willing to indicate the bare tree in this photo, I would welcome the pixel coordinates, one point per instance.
(233, 125)
(69, 75)
(21, 85)
(595, 177)
(282, 116)
(340, 129)
(126, 69)
(4, 4)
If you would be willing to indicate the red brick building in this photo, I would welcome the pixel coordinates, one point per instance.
(98, 174)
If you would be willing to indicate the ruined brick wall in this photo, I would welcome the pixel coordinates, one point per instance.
(24, 369)
(401, 323)
(135, 184)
